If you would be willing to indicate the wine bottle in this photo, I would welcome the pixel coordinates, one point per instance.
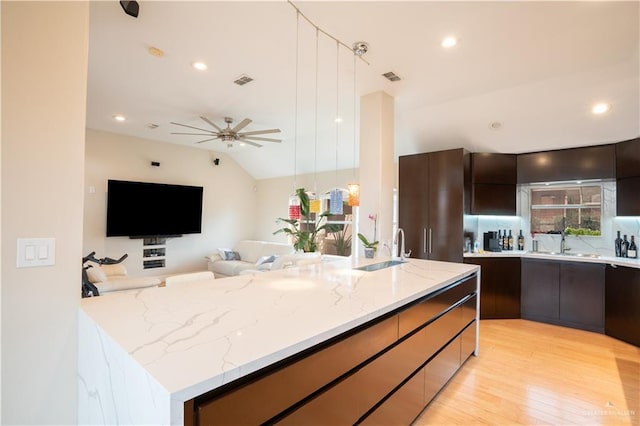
(625, 247)
(510, 240)
(520, 241)
(505, 240)
(500, 238)
(632, 251)
(618, 245)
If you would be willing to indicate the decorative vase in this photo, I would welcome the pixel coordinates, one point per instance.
(369, 252)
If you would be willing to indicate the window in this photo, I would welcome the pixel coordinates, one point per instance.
(577, 209)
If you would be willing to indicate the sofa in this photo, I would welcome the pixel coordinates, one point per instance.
(109, 278)
(246, 255)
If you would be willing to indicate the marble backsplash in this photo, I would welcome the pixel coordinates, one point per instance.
(602, 245)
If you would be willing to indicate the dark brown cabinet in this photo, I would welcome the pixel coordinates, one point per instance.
(564, 293)
(592, 162)
(540, 290)
(622, 303)
(628, 159)
(493, 184)
(582, 295)
(628, 178)
(499, 287)
(431, 203)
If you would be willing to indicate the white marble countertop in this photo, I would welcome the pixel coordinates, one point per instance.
(572, 257)
(198, 336)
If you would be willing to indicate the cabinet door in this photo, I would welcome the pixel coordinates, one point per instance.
(592, 162)
(627, 199)
(413, 202)
(488, 274)
(495, 199)
(628, 159)
(582, 295)
(540, 290)
(622, 304)
(499, 287)
(446, 204)
(493, 168)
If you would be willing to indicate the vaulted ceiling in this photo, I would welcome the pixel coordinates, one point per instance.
(523, 76)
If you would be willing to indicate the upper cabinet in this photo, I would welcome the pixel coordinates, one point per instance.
(592, 162)
(628, 178)
(493, 184)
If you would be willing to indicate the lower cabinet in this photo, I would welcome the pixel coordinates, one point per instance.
(564, 293)
(499, 286)
(385, 373)
(622, 304)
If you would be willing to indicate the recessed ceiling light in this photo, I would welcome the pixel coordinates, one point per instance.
(154, 51)
(600, 108)
(119, 117)
(449, 42)
(200, 66)
(338, 120)
(496, 125)
(243, 144)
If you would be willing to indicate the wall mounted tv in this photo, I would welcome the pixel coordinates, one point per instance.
(142, 209)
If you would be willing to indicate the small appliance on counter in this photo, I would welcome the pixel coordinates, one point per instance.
(492, 242)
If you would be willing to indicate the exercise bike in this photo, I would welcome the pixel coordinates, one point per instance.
(88, 289)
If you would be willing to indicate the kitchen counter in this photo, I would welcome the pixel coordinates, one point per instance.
(143, 353)
(620, 261)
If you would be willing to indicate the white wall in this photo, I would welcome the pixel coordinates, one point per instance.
(44, 74)
(273, 198)
(229, 199)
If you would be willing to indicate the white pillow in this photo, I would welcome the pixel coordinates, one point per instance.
(114, 270)
(265, 259)
(96, 275)
(223, 252)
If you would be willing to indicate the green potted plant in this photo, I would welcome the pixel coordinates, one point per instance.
(305, 231)
(342, 241)
(369, 247)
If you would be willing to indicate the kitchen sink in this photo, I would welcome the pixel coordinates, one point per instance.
(380, 265)
(568, 254)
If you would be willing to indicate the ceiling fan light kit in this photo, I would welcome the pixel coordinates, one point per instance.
(229, 135)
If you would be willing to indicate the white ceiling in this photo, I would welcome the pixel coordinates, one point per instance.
(535, 67)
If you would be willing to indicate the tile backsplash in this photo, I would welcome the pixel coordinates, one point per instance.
(602, 245)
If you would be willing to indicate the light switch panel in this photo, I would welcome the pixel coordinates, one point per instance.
(36, 252)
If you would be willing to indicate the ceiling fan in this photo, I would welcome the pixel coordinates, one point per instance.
(230, 135)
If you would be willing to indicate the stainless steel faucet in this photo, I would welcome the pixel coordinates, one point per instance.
(563, 242)
(399, 232)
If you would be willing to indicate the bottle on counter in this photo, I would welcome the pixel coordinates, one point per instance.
(520, 241)
(624, 247)
(500, 238)
(632, 251)
(505, 240)
(510, 240)
(618, 245)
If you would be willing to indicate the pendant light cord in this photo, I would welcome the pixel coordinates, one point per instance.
(337, 104)
(315, 124)
(295, 121)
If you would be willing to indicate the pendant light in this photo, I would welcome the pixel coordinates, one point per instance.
(354, 188)
(294, 200)
(335, 201)
(315, 204)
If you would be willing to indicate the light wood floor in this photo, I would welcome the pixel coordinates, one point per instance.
(531, 373)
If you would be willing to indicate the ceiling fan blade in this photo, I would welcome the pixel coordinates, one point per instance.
(259, 132)
(211, 123)
(241, 125)
(207, 140)
(191, 127)
(251, 143)
(255, 138)
(199, 134)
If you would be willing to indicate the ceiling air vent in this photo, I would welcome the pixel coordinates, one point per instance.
(391, 76)
(243, 79)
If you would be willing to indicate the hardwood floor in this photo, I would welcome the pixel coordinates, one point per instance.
(532, 373)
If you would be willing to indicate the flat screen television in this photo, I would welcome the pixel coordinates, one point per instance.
(142, 209)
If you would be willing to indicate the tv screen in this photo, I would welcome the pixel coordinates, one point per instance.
(141, 209)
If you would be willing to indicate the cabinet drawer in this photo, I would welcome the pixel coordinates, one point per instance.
(423, 312)
(381, 375)
(438, 372)
(468, 342)
(403, 406)
(258, 401)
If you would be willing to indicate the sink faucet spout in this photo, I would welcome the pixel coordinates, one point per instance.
(401, 248)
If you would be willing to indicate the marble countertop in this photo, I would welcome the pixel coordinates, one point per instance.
(198, 336)
(571, 257)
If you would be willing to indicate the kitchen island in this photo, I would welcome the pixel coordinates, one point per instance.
(145, 355)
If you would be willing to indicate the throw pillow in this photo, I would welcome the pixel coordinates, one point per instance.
(265, 259)
(232, 255)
